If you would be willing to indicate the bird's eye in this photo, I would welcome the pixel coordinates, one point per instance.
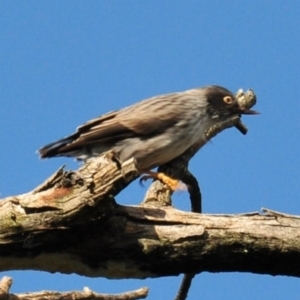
(227, 100)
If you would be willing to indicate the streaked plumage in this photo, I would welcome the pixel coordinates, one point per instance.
(153, 131)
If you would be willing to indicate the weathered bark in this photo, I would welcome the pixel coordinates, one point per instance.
(73, 225)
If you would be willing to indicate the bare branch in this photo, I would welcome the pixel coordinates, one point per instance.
(71, 233)
(86, 294)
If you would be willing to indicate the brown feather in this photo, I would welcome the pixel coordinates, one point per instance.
(131, 121)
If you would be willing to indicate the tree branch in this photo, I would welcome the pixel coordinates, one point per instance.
(75, 226)
(86, 294)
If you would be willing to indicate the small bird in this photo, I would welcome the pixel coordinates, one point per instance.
(153, 131)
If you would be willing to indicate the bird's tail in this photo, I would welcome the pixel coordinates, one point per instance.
(55, 149)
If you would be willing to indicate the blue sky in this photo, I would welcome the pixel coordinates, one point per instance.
(65, 62)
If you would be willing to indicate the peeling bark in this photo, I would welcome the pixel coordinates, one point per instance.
(73, 225)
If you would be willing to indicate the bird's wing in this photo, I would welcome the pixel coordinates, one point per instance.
(148, 117)
(144, 118)
(154, 114)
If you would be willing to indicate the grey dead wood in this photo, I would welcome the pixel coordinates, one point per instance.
(85, 294)
(64, 230)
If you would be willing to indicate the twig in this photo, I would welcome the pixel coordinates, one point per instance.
(85, 294)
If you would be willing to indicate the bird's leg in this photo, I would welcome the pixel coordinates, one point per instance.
(172, 183)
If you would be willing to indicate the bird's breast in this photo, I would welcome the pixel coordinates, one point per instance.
(169, 143)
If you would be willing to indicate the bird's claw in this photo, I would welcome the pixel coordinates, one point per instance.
(173, 184)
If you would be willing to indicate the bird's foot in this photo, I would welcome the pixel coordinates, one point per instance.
(173, 184)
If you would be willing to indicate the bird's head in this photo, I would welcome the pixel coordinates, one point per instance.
(221, 103)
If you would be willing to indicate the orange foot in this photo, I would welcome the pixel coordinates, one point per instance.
(172, 183)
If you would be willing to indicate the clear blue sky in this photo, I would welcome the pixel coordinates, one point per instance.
(64, 62)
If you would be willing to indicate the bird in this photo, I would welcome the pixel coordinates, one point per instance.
(153, 131)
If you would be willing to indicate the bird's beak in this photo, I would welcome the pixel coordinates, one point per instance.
(246, 111)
